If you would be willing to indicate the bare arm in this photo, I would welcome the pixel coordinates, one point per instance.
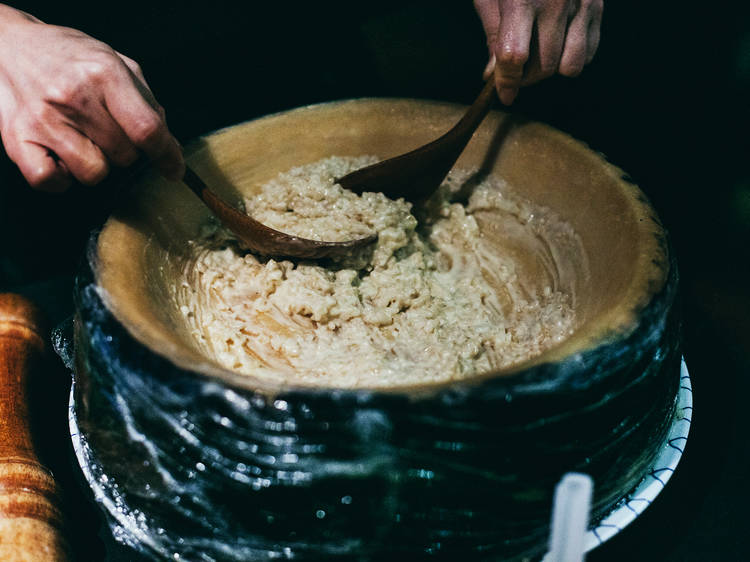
(71, 106)
(529, 40)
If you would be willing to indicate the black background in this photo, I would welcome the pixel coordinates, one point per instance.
(666, 99)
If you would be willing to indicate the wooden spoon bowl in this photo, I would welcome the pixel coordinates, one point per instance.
(417, 173)
(263, 239)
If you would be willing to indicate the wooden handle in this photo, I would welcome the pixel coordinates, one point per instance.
(30, 519)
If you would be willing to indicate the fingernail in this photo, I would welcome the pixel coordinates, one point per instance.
(507, 95)
(490, 68)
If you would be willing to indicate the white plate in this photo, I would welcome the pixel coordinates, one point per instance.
(635, 503)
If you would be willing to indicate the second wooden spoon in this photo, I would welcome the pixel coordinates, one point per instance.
(418, 173)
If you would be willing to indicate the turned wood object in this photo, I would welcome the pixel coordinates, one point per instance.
(30, 517)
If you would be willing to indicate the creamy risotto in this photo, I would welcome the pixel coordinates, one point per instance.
(428, 302)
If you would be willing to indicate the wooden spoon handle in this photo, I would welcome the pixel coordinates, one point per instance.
(30, 517)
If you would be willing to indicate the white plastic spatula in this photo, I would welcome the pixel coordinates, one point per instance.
(570, 518)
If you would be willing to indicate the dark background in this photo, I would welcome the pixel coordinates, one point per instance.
(666, 99)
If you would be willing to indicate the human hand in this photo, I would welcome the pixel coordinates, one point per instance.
(530, 40)
(70, 106)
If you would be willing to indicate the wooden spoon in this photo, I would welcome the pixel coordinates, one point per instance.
(263, 239)
(418, 173)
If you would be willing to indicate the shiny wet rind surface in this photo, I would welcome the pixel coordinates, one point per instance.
(187, 464)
